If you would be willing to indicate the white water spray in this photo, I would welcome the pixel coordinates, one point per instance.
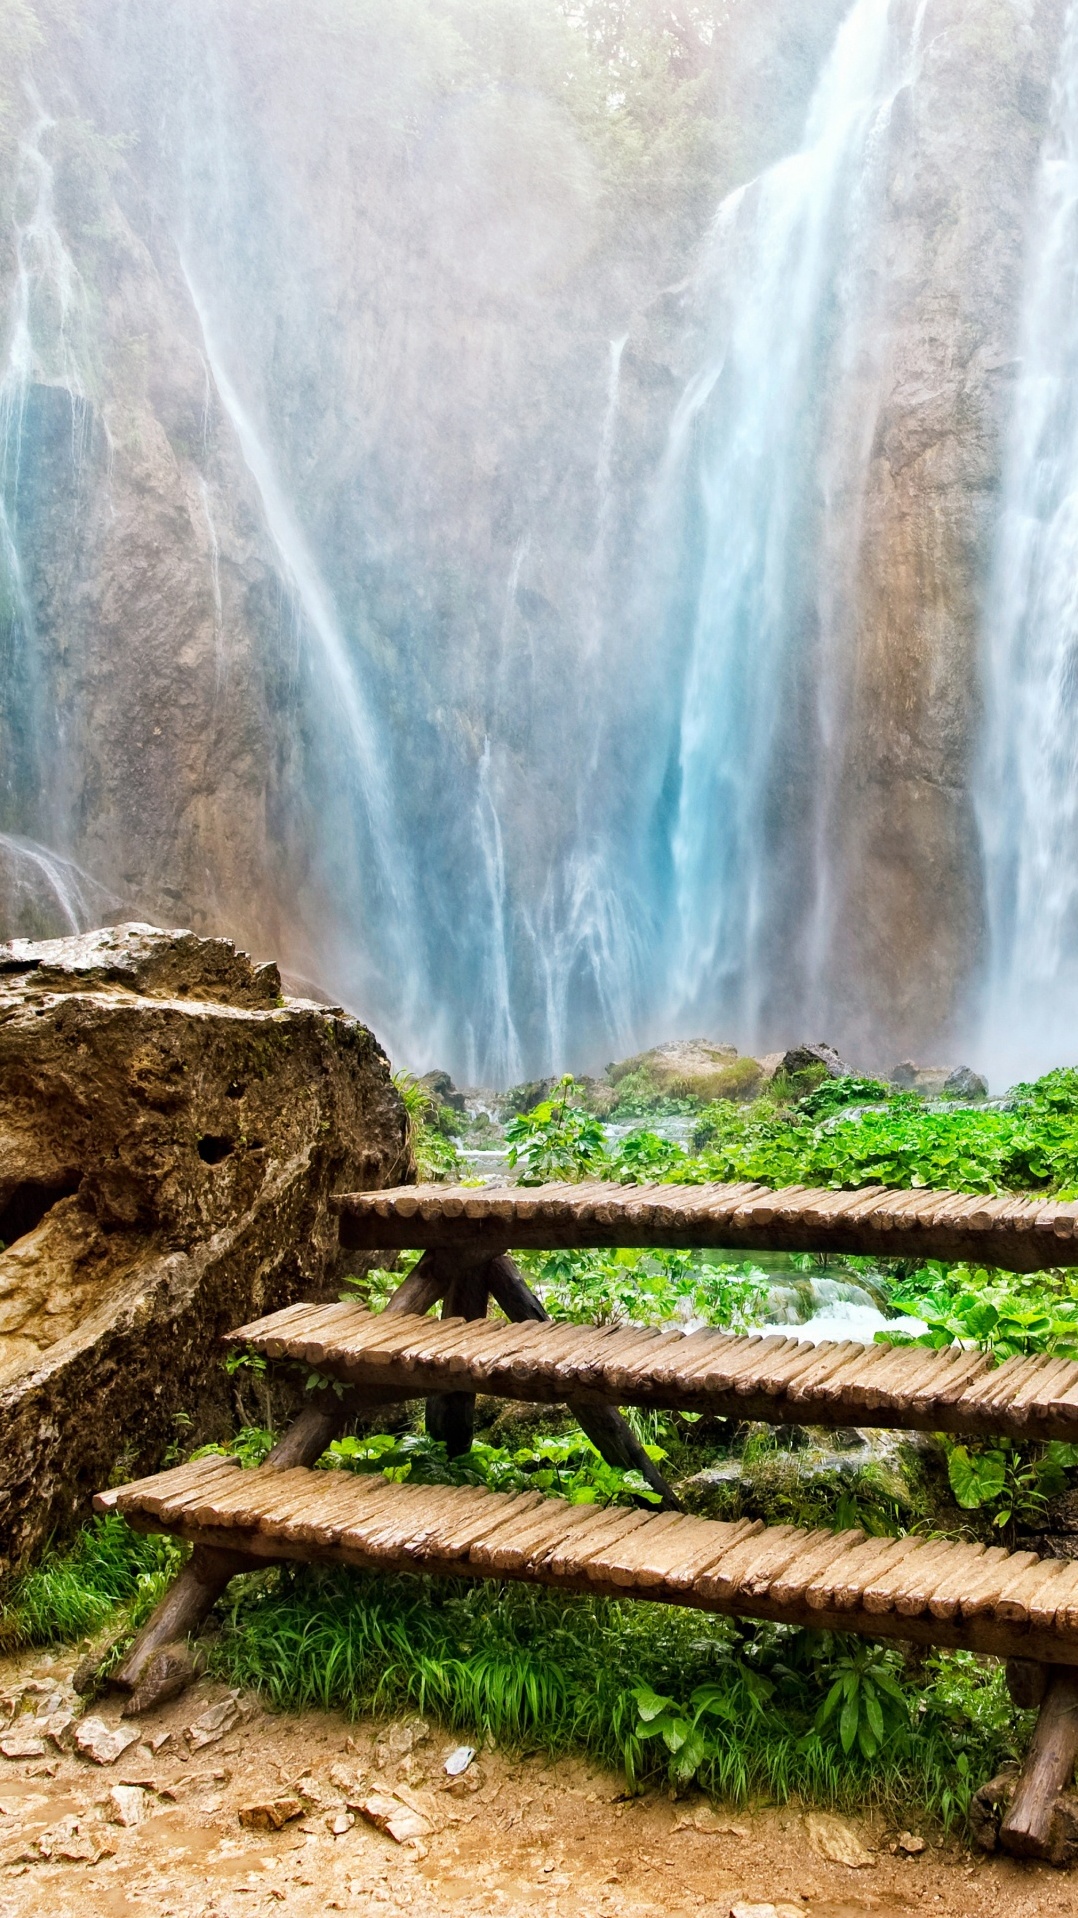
(762, 447)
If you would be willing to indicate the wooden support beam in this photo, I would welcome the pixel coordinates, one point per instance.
(155, 1668)
(1026, 1831)
(607, 1428)
(451, 1415)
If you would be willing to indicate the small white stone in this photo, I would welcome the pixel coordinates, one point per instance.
(126, 1804)
(94, 1739)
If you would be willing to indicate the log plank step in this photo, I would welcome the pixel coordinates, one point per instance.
(1018, 1233)
(989, 1601)
(779, 1379)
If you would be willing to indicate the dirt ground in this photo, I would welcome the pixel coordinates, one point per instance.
(508, 1837)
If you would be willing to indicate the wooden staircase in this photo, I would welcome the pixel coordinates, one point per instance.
(930, 1591)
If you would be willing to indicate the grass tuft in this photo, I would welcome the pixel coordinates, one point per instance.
(536, 1669)
(73, 1594)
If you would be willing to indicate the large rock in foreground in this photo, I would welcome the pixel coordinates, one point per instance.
(170, 1128)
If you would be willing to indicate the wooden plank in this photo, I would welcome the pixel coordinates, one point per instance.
(742, 1376)
(1016, 1234)
(744, 1568)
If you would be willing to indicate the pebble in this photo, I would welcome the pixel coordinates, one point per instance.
(95, 1740)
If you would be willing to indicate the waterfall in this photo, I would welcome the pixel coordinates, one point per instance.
(494, 1049)
(392, 945)
(47, 896)
(43, 297)
(44, 350)
(756, 512)
(1028, 777)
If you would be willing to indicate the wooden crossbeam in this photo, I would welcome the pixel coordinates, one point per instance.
(1019, 1234)
(928, 1590)
(778, 1379)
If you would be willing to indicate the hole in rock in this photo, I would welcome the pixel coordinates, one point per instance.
(26, 1204)
(212, 1148)
(236, 1090)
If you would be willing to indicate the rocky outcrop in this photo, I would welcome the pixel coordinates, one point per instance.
(938, 373)
(170, 1129)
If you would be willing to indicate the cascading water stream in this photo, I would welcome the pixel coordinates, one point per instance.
(757, 500)
(46, 318)
(1028, 778)
(344, 705)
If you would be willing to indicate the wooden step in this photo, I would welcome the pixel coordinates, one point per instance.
(931, 1591)
(1020, 1234)
(783, 1380)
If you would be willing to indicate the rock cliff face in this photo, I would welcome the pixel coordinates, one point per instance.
(964, 144)
(343, 347)
(170, 1130)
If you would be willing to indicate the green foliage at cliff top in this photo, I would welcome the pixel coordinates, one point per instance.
(906, 1141)
(832, 1137)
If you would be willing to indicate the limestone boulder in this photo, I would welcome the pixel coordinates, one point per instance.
(693, 1068)
(171, 1127)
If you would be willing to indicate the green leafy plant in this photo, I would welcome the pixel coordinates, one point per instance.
(74, 1593)
(644, 1155)
(251, 1445)
(557, 1140)
(1009, 1481)
(436, 1155)
(644, 1287)
(1004, 1313)
(565, 1467)
(865, 1702)
(1030, 1145)
(834, 1095)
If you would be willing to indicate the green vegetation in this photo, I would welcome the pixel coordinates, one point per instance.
(1006, 1313)
(110, 1574)
(843, 1132)
(834, 1137)
(531, 1668)
(648, 1287)
(431, 1131)
(566, 1467)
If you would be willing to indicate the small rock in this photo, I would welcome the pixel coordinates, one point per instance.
(158, 1741)
(802, 1058)
(339, 1822)
(707, 1821)
(964, 1083)
(347, 1781)
(459, 1760)
(314, 1793)
(395, 1818)
(271, 1814)
(93, 1738)
(19, 1745)
(126, 1804)
(465, 1786)
(833, 1840)
(397, 1741)
(766, 1911)
(213, 1724)
(68, 1842)
(909, 1842)
(84, 1676)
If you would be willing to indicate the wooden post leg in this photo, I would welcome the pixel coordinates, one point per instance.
(608, 1430)
(157, 1666)
(451, 1415)
(1026, 1831)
